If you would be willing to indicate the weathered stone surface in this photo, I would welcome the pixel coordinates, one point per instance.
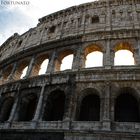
(48, 106)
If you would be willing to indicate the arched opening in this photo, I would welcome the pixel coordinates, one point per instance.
(124, 57)
(43, 67)
(64, 60)
(5, 108)
(124, 54)
(27, 108)
(90, 108)
(54, 109)
(21, 69)
(127, 108)
(93, 56)
(41, 64)
(24, 71)
(94, 59)
(67, 62)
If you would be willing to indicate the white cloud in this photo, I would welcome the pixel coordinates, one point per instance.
(22, 17)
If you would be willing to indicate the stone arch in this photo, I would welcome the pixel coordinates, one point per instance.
(96, 50)
(55, 104)
(123, 45)
(60, 58)
(89, 105)
(27, 104)
(27, 107)
(6, 73)
(128, 49)
(38, 63)
(21, 66)
(127, 108)
(6, 104)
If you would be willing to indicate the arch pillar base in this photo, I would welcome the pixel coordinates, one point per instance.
(106, 125)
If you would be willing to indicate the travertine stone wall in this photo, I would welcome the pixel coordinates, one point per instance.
(105, 26)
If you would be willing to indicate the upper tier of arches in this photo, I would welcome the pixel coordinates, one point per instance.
(103, 23)
(88, 55)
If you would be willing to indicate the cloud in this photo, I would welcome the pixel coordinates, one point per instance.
(19, 18)
(14, 20)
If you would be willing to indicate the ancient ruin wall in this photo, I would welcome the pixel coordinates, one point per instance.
(106, 26)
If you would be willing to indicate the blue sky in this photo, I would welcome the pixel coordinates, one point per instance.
(20, 18)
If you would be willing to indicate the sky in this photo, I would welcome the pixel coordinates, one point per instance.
(19, 18)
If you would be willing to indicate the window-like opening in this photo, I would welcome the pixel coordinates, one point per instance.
(124, 57)
(94, 59)
(43, 67)
(64, 60)
(21, 69)
(27, 108)
(24, 71)
(95, 19)
(67, 62)
(54, 109)
(41, 64)
(113, 13)
(127, 108)
(90, 108)
(72, 21)
(124, 54)
(79, 21)
(19, 43)
(52, 29)
(93, 56)
(5, 109)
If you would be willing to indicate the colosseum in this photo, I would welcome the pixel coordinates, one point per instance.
(78, 103)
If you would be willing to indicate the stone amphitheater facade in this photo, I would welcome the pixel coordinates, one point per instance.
(97, 103)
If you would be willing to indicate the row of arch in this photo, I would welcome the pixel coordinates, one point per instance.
(93, 57)
(126, 107)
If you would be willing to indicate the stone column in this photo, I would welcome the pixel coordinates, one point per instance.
(84, 22)
(79, 59)
(106, 108)
(30, 67)
(11, 76)
(26, 39)
(135, 17)
(76, 30)
(61, 29)
(41, 35)
(108, 17)
(137, 53)
(51, 64)
(39, 104)
(75, 64)
(13, 111)
(70, 91)
(107, 57)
